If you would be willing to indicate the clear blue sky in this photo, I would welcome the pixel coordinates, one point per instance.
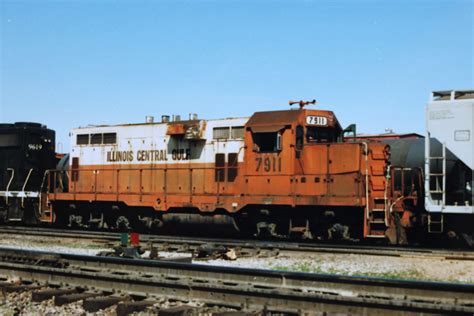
(73, 63)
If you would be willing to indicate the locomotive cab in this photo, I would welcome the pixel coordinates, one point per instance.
(272, 132)
(304, 176)
(280, 140)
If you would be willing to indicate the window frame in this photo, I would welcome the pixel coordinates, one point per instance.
(221, 128)
(74, 169)
(104, 140)
(239, 128)
(278, 142)
(94, 139)
(232, 166)
(219, 168)
(78, 136)
(104, 135)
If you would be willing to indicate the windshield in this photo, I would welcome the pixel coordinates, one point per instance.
(321, 135)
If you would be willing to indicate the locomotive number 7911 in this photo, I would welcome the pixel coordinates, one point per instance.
(317, 120)
(268, 164)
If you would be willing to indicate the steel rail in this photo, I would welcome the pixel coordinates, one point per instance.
(244, 288)
(192, 243)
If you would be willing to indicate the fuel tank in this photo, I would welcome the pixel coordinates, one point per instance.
(199, 223)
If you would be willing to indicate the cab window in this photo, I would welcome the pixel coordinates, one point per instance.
(320, 135)
(299, 137)
(267, 142)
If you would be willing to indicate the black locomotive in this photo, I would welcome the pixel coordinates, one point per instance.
(27, 150)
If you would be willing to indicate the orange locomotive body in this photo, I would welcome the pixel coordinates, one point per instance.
(277, 172)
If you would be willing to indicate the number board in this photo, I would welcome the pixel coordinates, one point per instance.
(317, 120)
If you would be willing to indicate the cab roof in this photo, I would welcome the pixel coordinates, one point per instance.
(271, 121)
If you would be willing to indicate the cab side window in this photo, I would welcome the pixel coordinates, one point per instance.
(299, 137)
(267, 142)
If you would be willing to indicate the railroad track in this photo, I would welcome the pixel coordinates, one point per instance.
(78, 277)
(192, 244)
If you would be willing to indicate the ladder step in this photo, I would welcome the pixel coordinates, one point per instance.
(376, 236)
(377, 222)
(436, 191)
(435, 223)
(436, 158)
(298, 229)
(379, 202)
(436, 174)
(378, 210)
(46, 216)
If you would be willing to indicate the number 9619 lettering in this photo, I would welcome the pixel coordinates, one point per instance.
(35, 146)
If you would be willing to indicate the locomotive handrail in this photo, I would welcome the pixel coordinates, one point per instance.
(115, 184)
(24, 187)
(45, 175)
(199, 168)
(205, 168)
(366, 152)
(9, 183)
(385, 195)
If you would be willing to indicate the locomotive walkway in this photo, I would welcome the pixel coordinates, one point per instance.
(244, 289)
(247, 247)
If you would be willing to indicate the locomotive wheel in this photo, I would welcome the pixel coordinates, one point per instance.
(96, 222)
(122, 223)
(75, 221)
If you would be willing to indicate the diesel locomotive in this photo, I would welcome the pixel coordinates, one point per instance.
(281, 173)
(27, 150)
(278, 172)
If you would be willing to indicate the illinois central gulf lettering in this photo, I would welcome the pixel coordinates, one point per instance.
(120, 156)
(148, 155)
(152, 155)
(181, 154)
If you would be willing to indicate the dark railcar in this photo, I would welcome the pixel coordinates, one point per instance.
(27, 150)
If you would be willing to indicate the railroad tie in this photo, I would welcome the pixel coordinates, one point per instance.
(177, 311)
(18, 288)
(39, 296)
(127, 308)
(239, 313)
(70, 298)
(93, 305)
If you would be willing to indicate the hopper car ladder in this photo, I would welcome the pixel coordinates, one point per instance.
(435, 220)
